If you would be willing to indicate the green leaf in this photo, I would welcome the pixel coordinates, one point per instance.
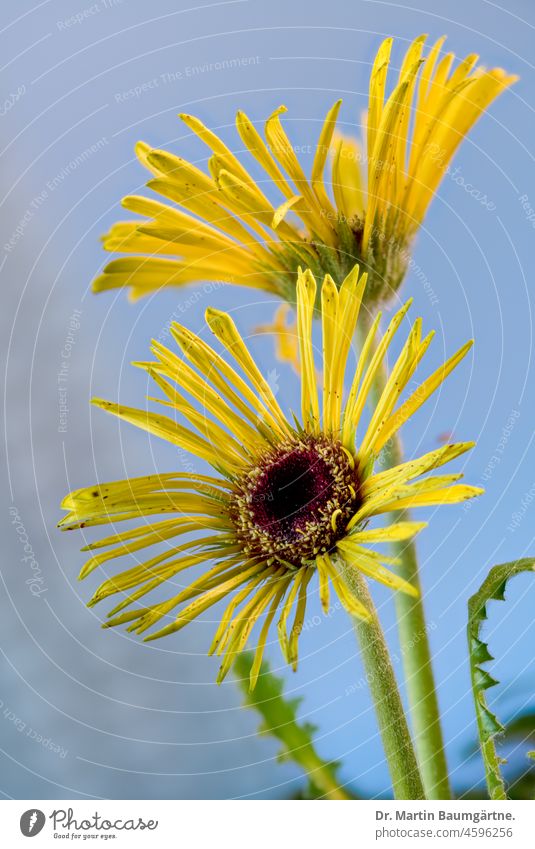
(488, 725)
(279, 719)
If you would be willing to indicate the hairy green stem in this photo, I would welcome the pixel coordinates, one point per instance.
(414, 642)
(395, 734)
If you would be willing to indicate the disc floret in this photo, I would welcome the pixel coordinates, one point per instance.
(296, 501)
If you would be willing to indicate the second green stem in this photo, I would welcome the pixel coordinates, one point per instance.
(416, 651)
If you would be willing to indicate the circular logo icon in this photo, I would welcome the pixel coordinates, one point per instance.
(32, 822)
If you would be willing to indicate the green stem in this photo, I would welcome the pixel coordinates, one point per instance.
(393, 727)
(414, 643)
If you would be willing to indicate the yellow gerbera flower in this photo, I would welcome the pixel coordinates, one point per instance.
(223, 227)
(291, 502)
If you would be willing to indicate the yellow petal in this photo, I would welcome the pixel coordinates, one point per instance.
(392, 533)
(169, 430)
(286, 608)
(356, 557)
(437, 497)
(284, 152)
(223, 327)
(283, 209)
(377, 92)
(355, 412)
(320, 158)
(347, 181)
(347, 599)
(306, 298)
(420, 395)
(284, 583)
(297, 626)
(330, 329)
(323, 575)
(414, 468)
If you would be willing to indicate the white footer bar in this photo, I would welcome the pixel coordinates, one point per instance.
(267, 824)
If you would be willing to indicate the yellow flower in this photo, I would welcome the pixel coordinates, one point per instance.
(222, 226)
(291, 502)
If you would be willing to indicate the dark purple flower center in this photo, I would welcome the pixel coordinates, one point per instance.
(296, 502)
(292, 492)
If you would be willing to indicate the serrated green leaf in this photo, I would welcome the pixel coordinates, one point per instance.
(483, 679)
(279, 719)
(488, 725)
(481, 651)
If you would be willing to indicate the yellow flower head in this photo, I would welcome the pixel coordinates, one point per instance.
(291, 502)
(221, 225)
